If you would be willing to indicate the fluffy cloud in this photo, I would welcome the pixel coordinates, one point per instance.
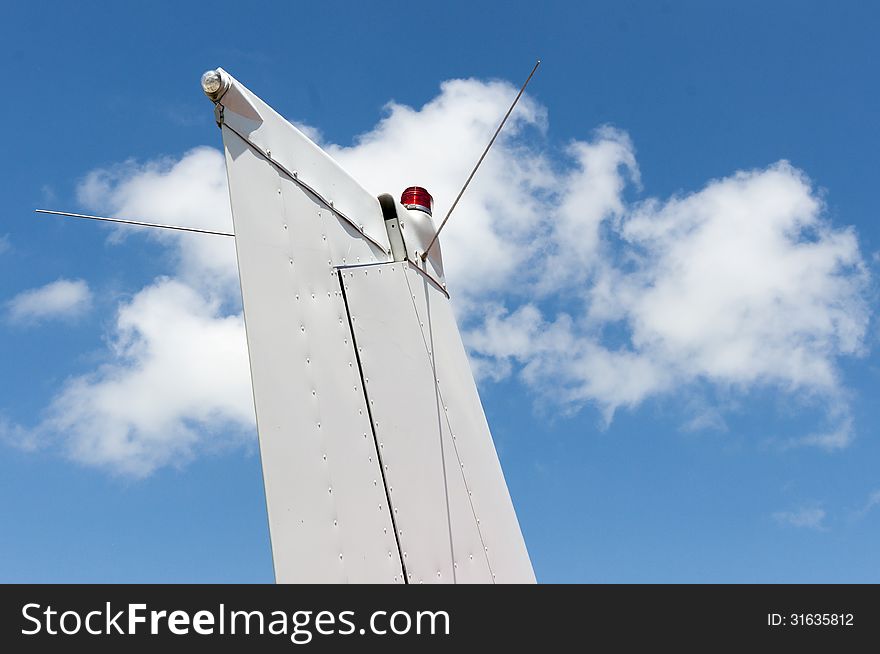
(585, 296)
(190, 192)
(63, 298)
(177, 380)
(742, 283)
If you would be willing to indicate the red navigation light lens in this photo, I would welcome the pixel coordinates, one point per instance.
(416, 197)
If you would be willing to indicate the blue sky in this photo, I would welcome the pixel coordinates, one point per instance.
(683, 460)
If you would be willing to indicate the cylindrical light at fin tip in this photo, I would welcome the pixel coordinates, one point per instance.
(416, 197)
(214, 83)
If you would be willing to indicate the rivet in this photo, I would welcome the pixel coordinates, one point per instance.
(319, 426)
(340, 556)
(285, 226)
(308, 360)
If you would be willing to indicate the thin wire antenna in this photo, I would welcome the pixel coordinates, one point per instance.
(139, 223)
(483, 156)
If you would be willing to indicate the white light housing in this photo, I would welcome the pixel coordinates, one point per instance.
(214, 84)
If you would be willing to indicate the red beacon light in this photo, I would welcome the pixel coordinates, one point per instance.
(416, 197)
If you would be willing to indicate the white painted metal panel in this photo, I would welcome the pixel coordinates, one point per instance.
(328, 514)
(400, 338)
(292, 151)
(406, 415)
(473, 447)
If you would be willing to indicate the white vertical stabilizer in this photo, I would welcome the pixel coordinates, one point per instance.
(377, 460)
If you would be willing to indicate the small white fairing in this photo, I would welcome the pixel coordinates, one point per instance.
(377, 460)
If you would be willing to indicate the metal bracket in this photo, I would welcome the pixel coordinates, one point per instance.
(218, 114)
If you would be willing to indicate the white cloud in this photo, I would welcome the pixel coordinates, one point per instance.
(871, 503)
(17, 436)
(585, 295)
(5, 245)
(741, 283)
(805, 517)
(63, 298)
(177, 380)
(837, 436)
(190, 192)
